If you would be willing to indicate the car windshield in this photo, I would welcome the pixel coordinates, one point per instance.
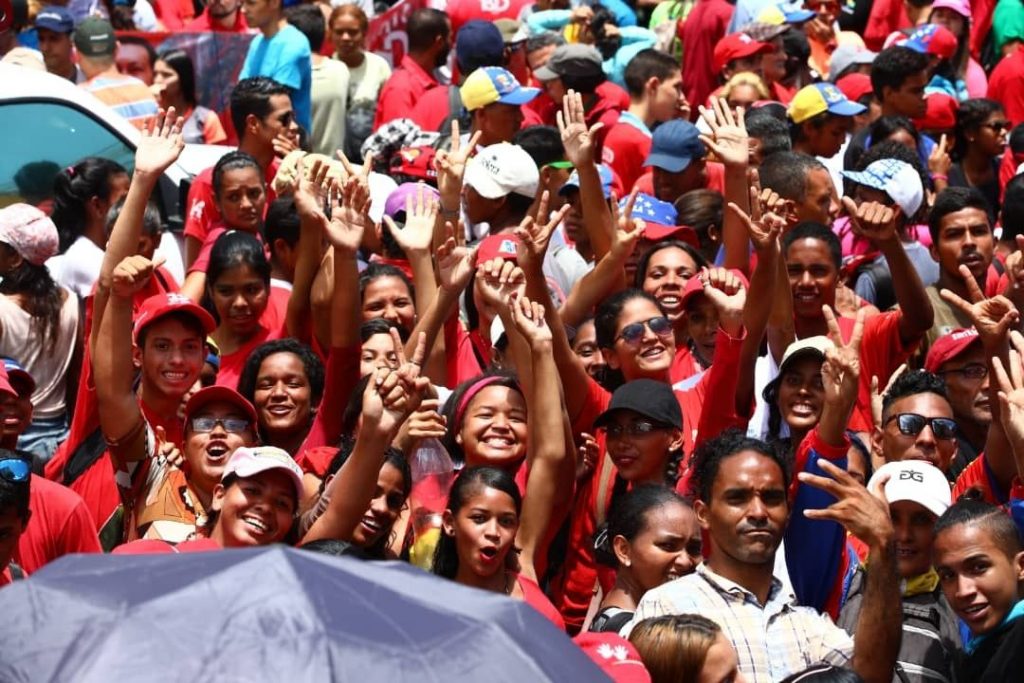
(41, 138)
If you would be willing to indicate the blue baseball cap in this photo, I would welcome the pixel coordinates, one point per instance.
(674, 145)
(55, 18)
(607, 182)
(478, 43)
(491, 84)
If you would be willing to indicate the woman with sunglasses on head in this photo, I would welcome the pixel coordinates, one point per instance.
(981, 138)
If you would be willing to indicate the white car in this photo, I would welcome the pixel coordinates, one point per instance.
(45, 118)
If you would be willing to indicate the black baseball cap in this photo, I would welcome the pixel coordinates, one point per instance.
(650, 398)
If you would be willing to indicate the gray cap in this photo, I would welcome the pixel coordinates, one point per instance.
(579, 60)
(846, 56)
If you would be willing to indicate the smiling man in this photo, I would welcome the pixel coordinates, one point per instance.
(917, 421)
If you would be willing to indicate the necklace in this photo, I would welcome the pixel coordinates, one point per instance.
(509, 583)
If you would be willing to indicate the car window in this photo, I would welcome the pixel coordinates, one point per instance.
(41, 138)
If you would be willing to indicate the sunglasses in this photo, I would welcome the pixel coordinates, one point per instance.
(231, 425)
(633, 332)
(998, 125)
(971, 371)
(638, 428)
(912, 424)
(15, 470)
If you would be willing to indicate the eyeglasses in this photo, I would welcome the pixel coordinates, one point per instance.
(15, 469)
(632, 333)
(973, 371)
(998, 126)
(638, 428)
(231, 425)
(912, 424)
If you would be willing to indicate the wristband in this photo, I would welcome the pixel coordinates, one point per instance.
(940, 176)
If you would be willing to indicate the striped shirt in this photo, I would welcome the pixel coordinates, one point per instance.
(126, 95)
(772, 640)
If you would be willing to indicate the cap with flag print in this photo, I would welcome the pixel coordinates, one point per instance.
(896, 178)
(931, 39)
(492, 84)
(819, 98)
(659, 219)
(785, 13)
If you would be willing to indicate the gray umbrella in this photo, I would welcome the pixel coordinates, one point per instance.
(270, 614)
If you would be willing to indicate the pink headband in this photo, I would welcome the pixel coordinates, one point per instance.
(472, 391)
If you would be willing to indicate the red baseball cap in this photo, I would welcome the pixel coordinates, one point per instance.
(502, 245)
(159, 305)
(737, 46)
(5, 382)
(940, 112)
(615, 655)
(417, 162)
(655, 232)
(855, 86)
(949, 346)
(219, 394)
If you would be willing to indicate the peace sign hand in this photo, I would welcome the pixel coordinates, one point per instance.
(451, 166)
(1010, 387)
(728, 139)
(534, 236)
(992, 317)
(455, 264)
(764, 228)
(628, 229)
(840, 373)
(578, 140)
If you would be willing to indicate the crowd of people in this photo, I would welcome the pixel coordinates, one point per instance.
(694, 325)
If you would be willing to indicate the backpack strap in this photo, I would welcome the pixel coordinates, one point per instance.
(84, 456)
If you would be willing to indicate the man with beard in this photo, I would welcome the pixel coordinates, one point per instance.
(429, 43)
(220, 15)
(743, 508)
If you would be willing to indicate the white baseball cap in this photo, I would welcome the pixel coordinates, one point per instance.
(503, 169)
(896, 178)
(250, 461)
(813, 346)
(917, 481)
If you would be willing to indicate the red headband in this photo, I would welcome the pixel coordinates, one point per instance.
(472, 391)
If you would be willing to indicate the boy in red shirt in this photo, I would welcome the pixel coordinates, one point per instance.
(654, 82)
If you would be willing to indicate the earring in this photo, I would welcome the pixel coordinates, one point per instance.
(626, 563)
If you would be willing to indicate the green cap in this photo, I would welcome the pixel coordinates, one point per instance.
(94, 37)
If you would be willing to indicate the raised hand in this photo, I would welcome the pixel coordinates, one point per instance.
(535, 236)
(455, 264)
(579, 141)
(992, 317)
(939, 162)
(420, 217)
(161, 143)
(363, 172)
(310, 189)
(873, 220)
(451, 166)
(132, 274)
(728, 139)
(589, 452)
(864, 514)
(528, 317)
(628, 230)
(728, 294)
(1010, 385)
(349, 216)
(499, 281)
(840, 373)
(764, 229)
(878, 397)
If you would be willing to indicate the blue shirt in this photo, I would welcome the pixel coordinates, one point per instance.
(285, 58)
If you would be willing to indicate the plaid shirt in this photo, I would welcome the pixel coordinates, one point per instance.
(772, 640)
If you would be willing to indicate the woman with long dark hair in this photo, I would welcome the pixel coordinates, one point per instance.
(38, 322)
(174, 81)
(982, 130)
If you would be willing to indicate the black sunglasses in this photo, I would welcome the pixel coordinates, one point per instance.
(632, 333)
(912, 424)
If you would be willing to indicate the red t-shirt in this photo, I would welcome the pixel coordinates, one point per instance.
(60, 525)
(715, 179)
(626, 148)
(535, 598)
(684, 365)
(202, 24)
(1006, 86)
(340, 378)
(153, 546)
(173, 14)
(407, 84)
(881, 352)
(704, 26)
(461, 11)
(467, 353)
(203, 215)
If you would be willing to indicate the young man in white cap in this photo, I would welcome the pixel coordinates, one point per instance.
(918, 494)
(500, 184)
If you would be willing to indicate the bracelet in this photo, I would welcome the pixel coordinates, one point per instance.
(449, 212)
(940, 176)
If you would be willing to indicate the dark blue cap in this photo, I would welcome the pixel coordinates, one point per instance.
(478, 43)
(674, 145)
(55, 18)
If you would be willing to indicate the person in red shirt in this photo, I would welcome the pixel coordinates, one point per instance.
(654, 82)
(677, 162)
(462, 11)
(579, 67)
(262, 114)
(220, 16)
(699, 33)
(1006, 85)
(429, 33)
